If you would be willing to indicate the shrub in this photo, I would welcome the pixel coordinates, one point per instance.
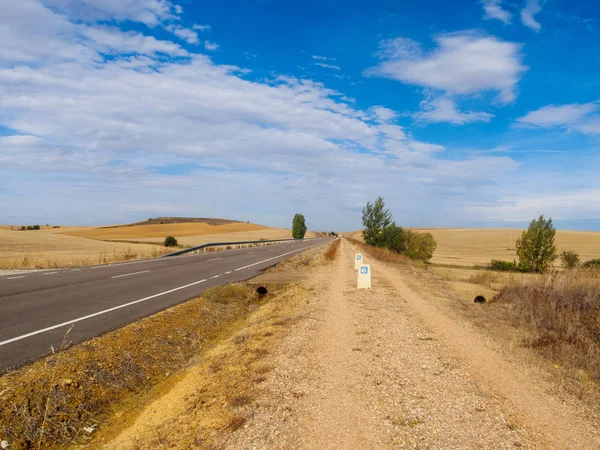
(535, 247)
(170, 241)
(505, 266)
(394, 238)
(569, 259)
(420, 245)
(35, 227)
(592, 264)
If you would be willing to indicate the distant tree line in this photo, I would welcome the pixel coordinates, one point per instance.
(381, 231)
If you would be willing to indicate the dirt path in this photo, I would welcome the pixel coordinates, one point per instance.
(380, 368)
(368, 373)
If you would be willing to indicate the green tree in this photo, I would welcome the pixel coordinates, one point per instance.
(420, 245)
(375, 217)
(298, 227)
(394, 238)
(535, 247)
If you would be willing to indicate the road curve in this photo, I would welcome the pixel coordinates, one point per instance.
(36, 309)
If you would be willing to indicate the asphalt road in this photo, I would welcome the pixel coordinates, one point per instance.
(36, 309)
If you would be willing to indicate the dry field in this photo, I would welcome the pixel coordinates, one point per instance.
(468, 247)
(45, 249)
(161, 231)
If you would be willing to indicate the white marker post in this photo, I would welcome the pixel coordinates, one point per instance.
(358, 260)
(364, 277)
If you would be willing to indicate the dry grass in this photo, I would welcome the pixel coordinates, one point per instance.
(332, 250)
(46, 249)
(52, 401)
(380, 254)
(468, 247)
(563, 312)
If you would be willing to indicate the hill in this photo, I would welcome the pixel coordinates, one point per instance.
(170, 220)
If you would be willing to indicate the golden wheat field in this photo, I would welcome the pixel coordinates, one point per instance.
(45, 249)
(468, 247)
(81, 246)
(160, 231)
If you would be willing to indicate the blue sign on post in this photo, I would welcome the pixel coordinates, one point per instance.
(364, 270)
(358, 257)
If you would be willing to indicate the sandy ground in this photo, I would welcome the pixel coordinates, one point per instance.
(466, 246)
(386, 368)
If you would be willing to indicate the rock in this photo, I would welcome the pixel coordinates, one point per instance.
(4, 444)
(90, 430)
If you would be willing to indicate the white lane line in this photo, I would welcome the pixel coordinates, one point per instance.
(130, 274)
(75, 270)
(275, 257)
(227, 273)
(49, 273)
(99, 313)
(214, 259)
(14, 278)
(216, 276)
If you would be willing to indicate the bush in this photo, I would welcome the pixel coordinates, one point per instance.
(535, 247)
(420, 245)
(505, 266)
(592, 264)
(569, 259)
(35, 227)
(393, 238)
(170, 241)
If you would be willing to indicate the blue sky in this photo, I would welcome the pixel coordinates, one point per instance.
(466, 113)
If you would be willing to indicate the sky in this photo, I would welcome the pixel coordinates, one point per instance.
(470, 113)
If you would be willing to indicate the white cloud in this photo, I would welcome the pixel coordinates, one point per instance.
(462, 63)
(190, 36)
(149, 12)
(493, 10)
(327, 66)
(91, 129)
(323, 58)
(443, 109)
(531, 9)
(576, 116)
(201, 27)
(211, 46)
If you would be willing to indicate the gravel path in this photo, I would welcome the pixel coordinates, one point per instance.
(368, 373)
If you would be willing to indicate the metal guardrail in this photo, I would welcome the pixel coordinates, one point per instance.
(202, 248)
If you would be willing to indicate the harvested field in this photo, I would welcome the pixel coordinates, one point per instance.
(468, 247)
(45, 249)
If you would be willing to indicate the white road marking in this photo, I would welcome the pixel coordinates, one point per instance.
(14, 278)
(275, 257)
(75, 270)
(216, 276)
(227, 273)
(99, 313)
(130, 274)
(214, 259)
(49, 273)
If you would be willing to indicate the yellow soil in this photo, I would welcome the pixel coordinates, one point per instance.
(47, 249)
(467, 247)
(256, 235)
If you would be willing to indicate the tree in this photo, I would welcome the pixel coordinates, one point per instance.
(170, 241)
(298, 227)
(535, 247)
(375, 217)
(394, 238)
(569, 259)
(420, 245)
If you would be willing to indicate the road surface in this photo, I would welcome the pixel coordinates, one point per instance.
(36, 309)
